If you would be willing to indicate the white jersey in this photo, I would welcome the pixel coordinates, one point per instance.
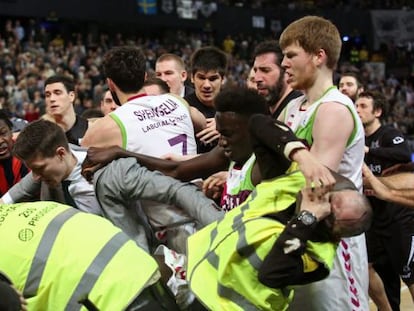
(156, 125)
(301, 122)
(346, 288)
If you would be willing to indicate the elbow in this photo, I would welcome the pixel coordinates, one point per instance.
(271, 282)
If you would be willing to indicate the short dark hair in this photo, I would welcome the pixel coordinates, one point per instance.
(157, 81)
(269, 46)
(39, 138)
(126, 67)
(353, 75)
(67, 82)
(209, 58)
(379, 101)
(241, 100)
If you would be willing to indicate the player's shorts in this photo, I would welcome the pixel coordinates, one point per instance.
(397, 244)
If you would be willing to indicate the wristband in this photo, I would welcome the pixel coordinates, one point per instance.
(292, 147)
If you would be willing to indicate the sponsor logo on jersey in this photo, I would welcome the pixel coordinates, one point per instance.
(397, 140)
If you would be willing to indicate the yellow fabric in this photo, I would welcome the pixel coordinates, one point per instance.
(77, 244)
(309, 264)
(223, 254)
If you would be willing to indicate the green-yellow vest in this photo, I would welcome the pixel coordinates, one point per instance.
(57, 255)
(224, 257)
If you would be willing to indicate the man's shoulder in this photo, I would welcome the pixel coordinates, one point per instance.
(116, 168)
(294, 102)
(79, 152)
(335, 96)
(388, 128)
(336, 102)
(389, 133)
(192, 99)
(77, 148)
(188, 90)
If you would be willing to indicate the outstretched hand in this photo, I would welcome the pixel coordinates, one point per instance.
(398, 168)
(97, 158)
(213, 185)
(372, 185)
(316, 174)
(209, 134)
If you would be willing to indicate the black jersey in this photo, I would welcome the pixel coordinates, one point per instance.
(387, 147)
(77, 131)
(208, 112)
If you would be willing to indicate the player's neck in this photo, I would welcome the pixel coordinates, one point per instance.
(125, 97)
(372, 127)
(67, 120)
(320, 87)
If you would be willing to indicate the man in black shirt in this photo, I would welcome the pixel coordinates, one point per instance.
(208, 68)
(389, 238)
(60, 96)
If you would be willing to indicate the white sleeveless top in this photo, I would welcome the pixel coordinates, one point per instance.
(301, 122)
(346, 288)
(156, 125)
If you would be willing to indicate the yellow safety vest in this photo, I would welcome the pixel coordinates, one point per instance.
(224, 257)
(57, 255)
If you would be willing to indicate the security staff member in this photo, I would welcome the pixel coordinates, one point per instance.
(250, 259)
(64, 259)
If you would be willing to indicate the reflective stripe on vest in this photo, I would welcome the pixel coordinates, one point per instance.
(244, 250)
(235, 234)
(43, 251)
(228, 292)
(95, 269)
(92, 273)
(58, 256)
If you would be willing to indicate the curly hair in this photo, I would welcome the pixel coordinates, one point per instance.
(126, 67)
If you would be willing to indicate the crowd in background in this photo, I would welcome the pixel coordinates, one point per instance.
(30, 53)
(311, 4)
(38, 56)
